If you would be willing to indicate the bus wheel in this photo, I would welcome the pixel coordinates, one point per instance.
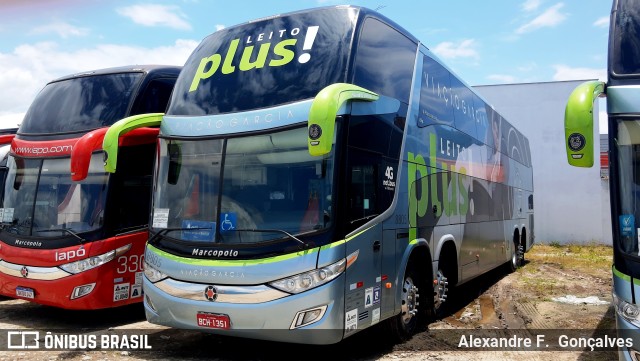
(517, 256)
(514, 261)
(412, 314)
(440, 289)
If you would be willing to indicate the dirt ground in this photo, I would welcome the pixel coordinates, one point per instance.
(499, 303)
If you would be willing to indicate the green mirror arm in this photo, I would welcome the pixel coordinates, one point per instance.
(121, 127)
(578, 123)
(322, 115)
(583, 96)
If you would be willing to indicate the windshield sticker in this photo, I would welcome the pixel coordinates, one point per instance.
(228, 222)
(282, 53)
(6, 215)
(198, 230)
(160, 217)
(627, 225)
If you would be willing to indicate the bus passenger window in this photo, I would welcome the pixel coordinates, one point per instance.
(362, 195)
(155, 96)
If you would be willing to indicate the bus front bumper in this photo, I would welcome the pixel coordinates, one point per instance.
(627, 330)
(273, 320)
(88, 290)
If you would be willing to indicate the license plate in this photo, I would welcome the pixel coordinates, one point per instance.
(213, 320)
(25, 292)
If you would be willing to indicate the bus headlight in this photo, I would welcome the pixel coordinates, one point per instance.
(626, 310)
(95, 261)
(153, 274)
(312, 279)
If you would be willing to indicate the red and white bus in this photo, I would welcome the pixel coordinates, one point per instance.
(72, 235)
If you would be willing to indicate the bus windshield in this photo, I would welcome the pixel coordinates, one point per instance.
(628, 149)
(80, 104)
(269, 185)
(42, 201)
(626, 38)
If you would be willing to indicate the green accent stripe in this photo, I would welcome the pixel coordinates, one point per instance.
(229, 263)
(624, 276)
(620, 274)
(338, 243)
(242, 263)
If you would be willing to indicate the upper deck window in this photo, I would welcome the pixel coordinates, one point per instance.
(385, 60)
(265, 63)
(80, 104)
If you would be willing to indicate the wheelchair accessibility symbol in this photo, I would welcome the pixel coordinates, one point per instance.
(228, 222)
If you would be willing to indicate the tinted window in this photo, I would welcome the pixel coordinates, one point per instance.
(80, 104)
(380, 134)
(385, 60)
(489, 130)
(626, 38)
(363, 192)
(130, 195)
(513, 142)
(265, 63)
(435, 95)
(155, 96)
(373, 151)
(463, 107)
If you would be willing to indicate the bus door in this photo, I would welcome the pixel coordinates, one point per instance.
(371, 172)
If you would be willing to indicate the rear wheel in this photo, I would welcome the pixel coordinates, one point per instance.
(517, 254)
(440, 292)
(513, 261)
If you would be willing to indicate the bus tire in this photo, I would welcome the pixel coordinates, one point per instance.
(444, 281)
(517, 254)
(415, 304)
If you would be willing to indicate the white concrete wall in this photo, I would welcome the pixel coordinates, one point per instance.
(571, 205)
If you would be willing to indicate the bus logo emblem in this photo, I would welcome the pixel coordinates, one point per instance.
(576, 142)
(24, 272)
(315, 131)
(210, 293)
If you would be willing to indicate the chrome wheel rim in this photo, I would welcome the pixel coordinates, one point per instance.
(439, 290)
(409, 300)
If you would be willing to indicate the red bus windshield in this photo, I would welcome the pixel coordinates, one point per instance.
(42, 201)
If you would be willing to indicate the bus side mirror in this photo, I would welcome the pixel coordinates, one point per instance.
(82, 151)
(322, 115)
(121, 127)
(578, 123)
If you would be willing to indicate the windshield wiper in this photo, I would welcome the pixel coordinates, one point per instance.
(303, 243)
(66, 230)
